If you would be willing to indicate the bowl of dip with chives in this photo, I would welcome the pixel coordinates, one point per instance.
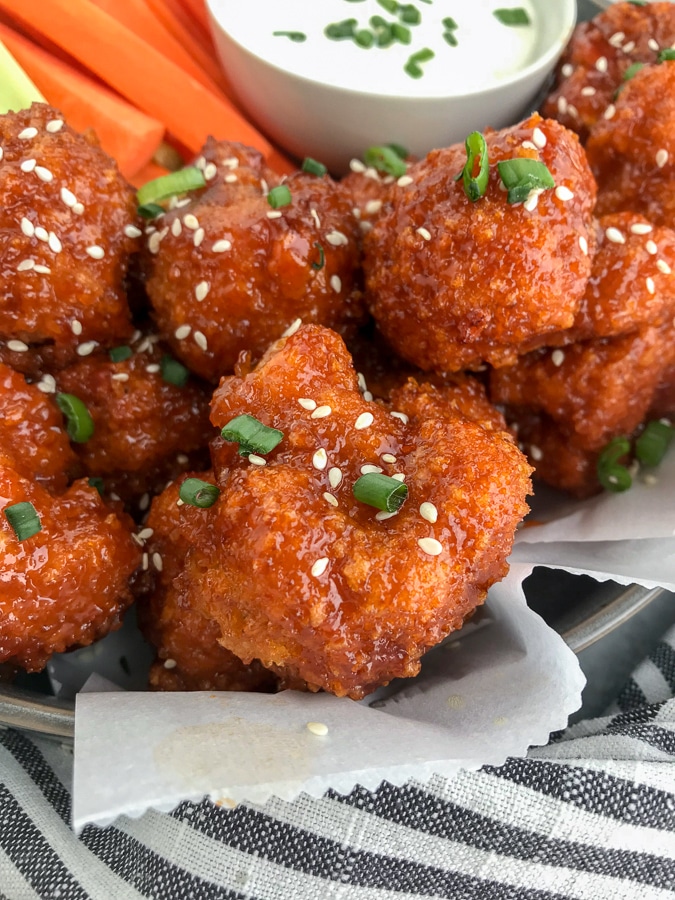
(329, 78)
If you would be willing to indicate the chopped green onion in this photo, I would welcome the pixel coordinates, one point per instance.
(651, 446)
(380, 491)
(188, 179)
(364, 38)
(196, 492)
(173, 372)
(384, 36)
(322, 257)
(251, 435)
(340, 31)
(513, 16)
(296, 36)
(385, 159)
(398, 150)
(279, 196)
(150, 211)
(449, 37)
(378, 22)
(409, 14)
(412, 66)
(96, 482)
(24, 520)
(667, 54)
(400, 33)
(612, 475)
(313, 167)
(79, 423)
(450, 24)
(632, 70)
(119, 354)
(476, 171)
(390, 5)
(522, 176)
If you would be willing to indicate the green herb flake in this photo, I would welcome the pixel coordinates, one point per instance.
(513, 16)
(296, 36)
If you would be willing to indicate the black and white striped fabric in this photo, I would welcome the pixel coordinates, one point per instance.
(592, 815)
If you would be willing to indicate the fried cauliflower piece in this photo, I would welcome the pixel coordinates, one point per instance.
(67, 585)
(68, 225)
(299, 574)
(454, 284)
(229, 273)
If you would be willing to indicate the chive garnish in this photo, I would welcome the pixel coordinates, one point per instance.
(449, 37)
(400, 33)
(390, 5)
(188, 179)
(666, 55)
(412, 66)
(450, 23)
(612, 475)
(409, 14)
(522, 176)
(364, 38)
(476, 172)
(79, 423)
(380, 491)
(251, 435)
(296, 36)
(632, 70)
(24, 519)
(96, 482)
(173, 372)
(313, 167)
(513, 16)
(340, 31)
(196, 492)
(279, 196)
(322, 257)
(119, 354)
(385, 159)
(150, 211)
(399, 150)
(651, 446)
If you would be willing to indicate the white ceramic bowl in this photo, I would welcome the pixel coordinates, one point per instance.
(332, 123)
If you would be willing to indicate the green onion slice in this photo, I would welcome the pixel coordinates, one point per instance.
(476, 172)
(188, 179)
(340, 31)
(385, 159)
(251, 435)
(119, 354)
(612, 475)
(150, 211)
(515, 15)
(364, 38)
(450, 24)
(296, 36)
(322, 257)
(400, 33)
(79, 423)
(632, 70)
(380, 491)
(522, 176)
(24, 520)
(173, 372)
(97, 482)
(399, 150)
(409, 14)
(449, 37)
(651, 446)
(666, 55)
(390, 5)
(196, 492)
(279, 196)
(313, 167)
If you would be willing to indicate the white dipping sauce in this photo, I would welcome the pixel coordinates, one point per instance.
(487, 51)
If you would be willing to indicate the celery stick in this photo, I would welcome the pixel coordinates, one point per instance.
(17, 91)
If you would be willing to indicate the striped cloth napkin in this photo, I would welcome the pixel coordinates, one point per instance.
(591, 815)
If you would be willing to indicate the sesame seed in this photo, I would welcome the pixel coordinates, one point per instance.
(429, 512)
(653, 45)
(200, 340)
(176, 228)
(610, 112)
(641, 228)
(528, 145)
(264, 187)
(274, 214)
(629, 47)
(17, 346)
(536, 453)
(588, 91)
(365, 227)
(651, 287)
(157, 561)
(27, 134)
(96, 252)
(367, 396)
(430, 546)
(334, 477)
(539, 138)
(532, 200)
(152, 368)
(28, 165)
(114, 496)
(317, 728)
(329, 498)
(321, 412)
(661, 158)
(47, 384)
(337, 238)
(307, 403)
(78, 209)
(388, 458)
(191, 222)
(564, 193)
(120, 376)
(54, 243)
(370, 470)
(424, 233)
(170, 663)
(145, 562)
(357, 166)
(154, 241)
(314, 214)
(221, 246)
(132, 232)
(292, 328)
(210, 171)
(663, 266)
(601, 64)
(25, 265)
(202, 290)
(76, 327)
(651, 248)
(650, 480)
(230, 179)
(317, 570)
(86, 348)
(361, 381)
(27, 227)
(617, 39)
(404, 181)
(398, 476)
(558, 357)
(54, 125)
(198, 237)
(373, 206)
(382, 516)
(182, 332)
(182, 459)
(336, 283)
(200, 162)
(41, 234)
(69, 198)
(42, 270)
(615, 236)
(44, 174)
(146, 533)
(2, 153)
(231, 162)
(567, 70)
(401, 416)
(562, 105)
(365, 420)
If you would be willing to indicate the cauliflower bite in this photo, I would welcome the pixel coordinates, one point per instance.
(67, 227)
(68, 584)
(600, 55)
(632, 154)
(33, 441)
(454, 283)
(228, 272)
(322, 587)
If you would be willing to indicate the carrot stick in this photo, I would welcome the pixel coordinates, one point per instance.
(197, 9)
(137, 71)
(181, 24)
(127, 134)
